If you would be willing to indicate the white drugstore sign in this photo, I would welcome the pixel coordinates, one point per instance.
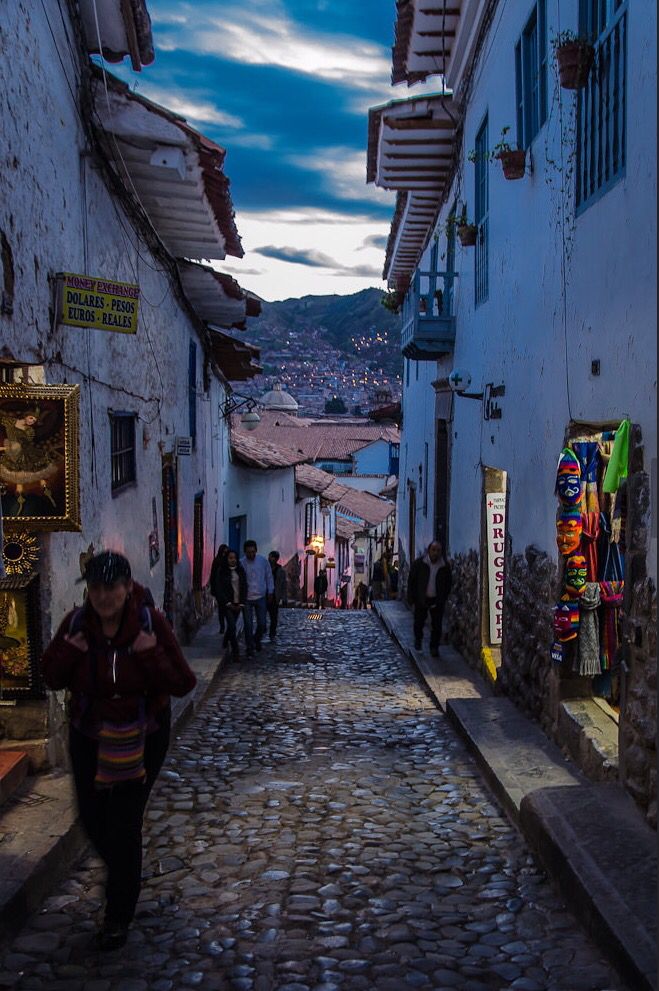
(495, 507)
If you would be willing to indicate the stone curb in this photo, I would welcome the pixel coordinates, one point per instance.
(40, 836)
(554, 806)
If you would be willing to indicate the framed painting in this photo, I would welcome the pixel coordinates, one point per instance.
(20, 638)
(39, 456)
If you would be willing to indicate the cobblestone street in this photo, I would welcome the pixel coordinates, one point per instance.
(319, 827)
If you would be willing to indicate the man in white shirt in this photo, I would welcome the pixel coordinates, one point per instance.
(260, 589)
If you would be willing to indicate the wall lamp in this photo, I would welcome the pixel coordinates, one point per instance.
(235, 401)
(460, 380)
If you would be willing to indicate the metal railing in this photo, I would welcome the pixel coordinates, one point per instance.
(428, 323)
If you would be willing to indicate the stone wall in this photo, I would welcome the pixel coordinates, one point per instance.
(529, 596)
(638, 724)
(462, 615)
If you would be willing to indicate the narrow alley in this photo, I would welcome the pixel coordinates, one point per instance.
(319, 827)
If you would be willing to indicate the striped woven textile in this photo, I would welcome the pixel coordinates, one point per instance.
(120, 753)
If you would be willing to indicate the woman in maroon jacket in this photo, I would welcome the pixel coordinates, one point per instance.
(120, 661)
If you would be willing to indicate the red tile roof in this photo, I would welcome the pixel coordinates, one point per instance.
(249, 451)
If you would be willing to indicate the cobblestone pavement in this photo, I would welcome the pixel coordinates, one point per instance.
(319, 827)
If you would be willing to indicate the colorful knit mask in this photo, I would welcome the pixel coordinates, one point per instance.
(566, 619)
(568, 529)
(576, 575)
(568, 478)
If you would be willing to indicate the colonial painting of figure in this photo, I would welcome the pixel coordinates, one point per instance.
(39, 456)
(20, 645)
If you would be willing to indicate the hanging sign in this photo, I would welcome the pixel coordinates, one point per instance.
(85, 301)
(495, 508)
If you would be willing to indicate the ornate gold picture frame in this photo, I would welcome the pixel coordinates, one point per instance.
(39, 456)
(20, 638)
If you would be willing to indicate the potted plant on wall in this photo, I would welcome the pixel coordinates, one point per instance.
(575, 55)
(513, 160)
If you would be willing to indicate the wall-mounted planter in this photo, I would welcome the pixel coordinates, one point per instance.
(467, 234)
(513, 163)
(575, 60)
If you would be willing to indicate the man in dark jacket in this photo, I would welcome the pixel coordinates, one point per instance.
(281, 592)
(428, 587)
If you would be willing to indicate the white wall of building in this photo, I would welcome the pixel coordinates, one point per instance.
(267, 499)
(57, 216)
(518, 336)
(373, 459)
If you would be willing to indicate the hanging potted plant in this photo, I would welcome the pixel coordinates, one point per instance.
(575, 55)
(467, 232)
(513, 160)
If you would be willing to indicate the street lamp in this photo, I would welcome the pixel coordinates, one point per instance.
(250, 419)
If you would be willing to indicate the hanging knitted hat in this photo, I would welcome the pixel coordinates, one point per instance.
(568, 478)
(568, 529)
(576, 575)
(566, 619)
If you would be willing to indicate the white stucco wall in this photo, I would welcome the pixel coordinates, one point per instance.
(372, 460)
(58, 215)
(267, 499)
(518, 336)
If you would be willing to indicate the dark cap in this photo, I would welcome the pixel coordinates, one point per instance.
(106, 568)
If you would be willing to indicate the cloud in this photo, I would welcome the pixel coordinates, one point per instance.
(264, 35)
(376, 241)
(298, 256)
(195, 111)
(344, 172)
(264, 142)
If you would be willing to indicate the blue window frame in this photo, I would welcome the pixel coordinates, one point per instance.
(192, 390)
(601, 111)
(531, 75)
(482, 202)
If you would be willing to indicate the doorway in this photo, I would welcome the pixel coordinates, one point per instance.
(237, 531)
(442, 484)
(170, 531)
(412, 524)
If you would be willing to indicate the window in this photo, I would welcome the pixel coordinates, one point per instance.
(481, 210)
(122, 450)
(531, 76)
(192, 390)
(601, 117)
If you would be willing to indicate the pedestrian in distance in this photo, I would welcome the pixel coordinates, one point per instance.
(393, 580)
(428, 588)
(361, 595)
(120, 662)
(212, 582)
(231, 594)
(377, 578)
(320, 588)
(280, 596)
(260, 590)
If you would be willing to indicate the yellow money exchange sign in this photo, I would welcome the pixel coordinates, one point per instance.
(100, 303)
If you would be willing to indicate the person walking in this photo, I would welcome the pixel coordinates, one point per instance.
(120, 661)
(377, 578)
(361, 596)
(231, 584)
(320, 588)
(393, 580)
(212, 582)
(260, 589)
(280, 596)
(428, 588)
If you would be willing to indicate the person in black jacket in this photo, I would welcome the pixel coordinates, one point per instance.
(428, 588)
(230, 590)
(212, 581)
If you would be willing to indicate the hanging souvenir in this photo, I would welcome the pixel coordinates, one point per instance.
(568, 529)
(617, 468)
(590, 527)
(568, 478)
(566, 619)
(587, 662)
(576, 576)
(588, 454)
(611, 595)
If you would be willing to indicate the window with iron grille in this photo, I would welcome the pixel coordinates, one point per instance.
(122, 450)
(481, 210)
(531, 76)
(601, 114)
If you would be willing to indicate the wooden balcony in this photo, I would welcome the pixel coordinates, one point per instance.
(428, 323)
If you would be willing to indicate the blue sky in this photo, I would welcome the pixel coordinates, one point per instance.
(285, 87)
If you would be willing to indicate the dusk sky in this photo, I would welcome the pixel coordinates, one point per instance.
(285, 87)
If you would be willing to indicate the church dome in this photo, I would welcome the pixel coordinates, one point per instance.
(277, 399)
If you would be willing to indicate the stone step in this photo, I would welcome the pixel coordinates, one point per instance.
(14, 765)
(591, 737)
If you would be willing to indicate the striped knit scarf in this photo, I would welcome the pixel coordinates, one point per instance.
(611, 594)
(121, 752)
